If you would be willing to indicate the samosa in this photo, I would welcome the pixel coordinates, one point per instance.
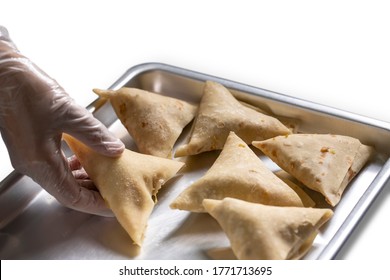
(265, 232)
(323, 162)
(219, 113)
(237, 173)
(128, 183)
(154, 121)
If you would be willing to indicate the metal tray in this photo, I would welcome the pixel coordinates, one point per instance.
(33, 225)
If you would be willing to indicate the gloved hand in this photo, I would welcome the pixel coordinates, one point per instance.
(34, 112)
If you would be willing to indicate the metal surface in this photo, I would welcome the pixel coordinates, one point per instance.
(35, 226)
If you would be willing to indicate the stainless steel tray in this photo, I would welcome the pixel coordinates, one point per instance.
(33, 225)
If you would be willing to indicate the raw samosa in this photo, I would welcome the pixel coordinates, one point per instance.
(264, 232)
(219, 113)
(154, 121)
(323, 162)
(128, 183)
(237, 173)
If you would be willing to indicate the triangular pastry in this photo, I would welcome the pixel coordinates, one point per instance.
(237, 173)
(128, 183)
(258, 231)
(323, 162)
(154, 121)
(219, 113)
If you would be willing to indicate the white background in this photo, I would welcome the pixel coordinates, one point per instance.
(335, 53)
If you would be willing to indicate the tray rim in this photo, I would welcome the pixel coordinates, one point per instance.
(139, 69)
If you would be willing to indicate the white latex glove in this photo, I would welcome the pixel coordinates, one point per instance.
(34, 112)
